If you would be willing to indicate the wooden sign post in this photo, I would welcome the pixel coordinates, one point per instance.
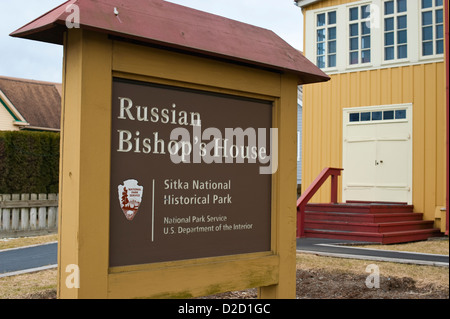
(178, 163)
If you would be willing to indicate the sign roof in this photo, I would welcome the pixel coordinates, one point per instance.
(170, 25)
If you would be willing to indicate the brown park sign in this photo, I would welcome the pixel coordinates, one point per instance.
(170, 186)
(187, 174)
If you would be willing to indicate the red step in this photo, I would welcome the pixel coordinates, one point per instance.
(368, 218)
(386, 238)
(361, 208)
(384, 223)
(370, 227)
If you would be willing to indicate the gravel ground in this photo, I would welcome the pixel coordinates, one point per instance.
(323, 284)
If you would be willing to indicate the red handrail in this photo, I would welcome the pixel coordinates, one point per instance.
(312, 189)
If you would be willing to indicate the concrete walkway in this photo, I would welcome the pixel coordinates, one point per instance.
(346, 249)
(27, 259)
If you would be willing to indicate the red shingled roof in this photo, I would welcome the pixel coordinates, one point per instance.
(175, 26)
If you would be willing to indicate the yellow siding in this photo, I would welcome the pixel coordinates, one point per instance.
(422, 85)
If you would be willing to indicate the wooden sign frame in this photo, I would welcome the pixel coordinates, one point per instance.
(91, 60)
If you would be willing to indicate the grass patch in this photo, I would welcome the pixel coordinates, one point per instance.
(419, 273)
(439, 246)
(39, 285)
(7, 243)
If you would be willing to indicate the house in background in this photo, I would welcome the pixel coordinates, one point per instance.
(29, 105)
(382, 116)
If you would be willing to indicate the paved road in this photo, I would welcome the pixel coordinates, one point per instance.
(24, 259)
(341, 248)
(35, 257)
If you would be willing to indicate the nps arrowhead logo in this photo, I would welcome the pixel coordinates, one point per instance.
(130, 197)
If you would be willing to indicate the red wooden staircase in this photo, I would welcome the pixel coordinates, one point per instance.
(384, 223)
(372, 222)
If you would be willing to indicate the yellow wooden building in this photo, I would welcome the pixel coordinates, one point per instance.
(382, 116)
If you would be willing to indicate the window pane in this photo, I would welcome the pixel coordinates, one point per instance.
(402, 52)
(321, 48)
(438, 3)
(400, 114)
(332, 33)
(332, 60)
(332, 17)
(353, 44)
(427, 18)
(439, 31)
(354, 30)
(332, 47)
(401, 22)
(365, 116)
(401, 5)
(365, 56)
(353, 57)
(365, 12)
(427, 3)
(389, 24)
(388, 115)
(389, 38)
(427, 33)
(321, 62)
(321, 35)
(439, 46)
(365, 42)
(365, 27)
(321, 19)
(353, 14)
(376, 116)
(389, 53)
(354, 117)
(389, 7)
(428, 48)
(439, 17)
(401, 37)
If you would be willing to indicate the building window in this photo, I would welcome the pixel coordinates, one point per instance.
(432, 27)
(326, 39)
(367, 116)
(359, 35)
(395, 30)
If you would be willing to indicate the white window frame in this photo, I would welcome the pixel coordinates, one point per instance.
(326, 41)
(396, 45)
(414, 38)
(433, 9)
(359, 21)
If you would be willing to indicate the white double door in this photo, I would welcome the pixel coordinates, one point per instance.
(377, 154)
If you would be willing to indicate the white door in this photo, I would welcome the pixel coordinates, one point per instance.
(377, 153)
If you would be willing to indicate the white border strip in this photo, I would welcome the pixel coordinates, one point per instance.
(395, 260)
(26, 271)
(384, 250)
(30, 246)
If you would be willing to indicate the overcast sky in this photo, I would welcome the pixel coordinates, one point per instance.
(43, 61)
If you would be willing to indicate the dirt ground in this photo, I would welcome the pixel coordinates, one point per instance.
(322, 284)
